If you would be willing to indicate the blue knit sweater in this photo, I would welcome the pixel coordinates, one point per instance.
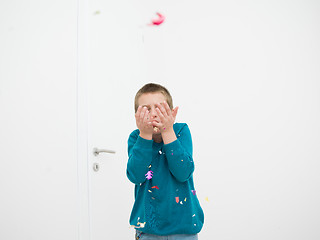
(166, 203)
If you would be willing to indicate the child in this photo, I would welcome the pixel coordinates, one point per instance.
(160, 165)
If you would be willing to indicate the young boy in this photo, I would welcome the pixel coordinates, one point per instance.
(160, 165)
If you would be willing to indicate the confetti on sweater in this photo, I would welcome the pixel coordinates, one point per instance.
(185, 199)
(141, 225)
(177, 199)
(155, 187)
(150, 191)
(149, 175)
(181, 202)
(194, 192)
(158, 20)
(193, 215)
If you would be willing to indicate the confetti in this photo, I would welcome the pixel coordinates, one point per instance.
(150, 166)
(181, 160)
(194, 192)
(149, 175)
(157, 21)
(160, 152)
(185, 199)
(155, 187)
(181, 202)
(207, 199)
(177, 199)
(150, 191)
(141, 225)
(193, 215)
(164, 128)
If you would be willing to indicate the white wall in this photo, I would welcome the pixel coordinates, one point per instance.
(38, 94)
(247, 79)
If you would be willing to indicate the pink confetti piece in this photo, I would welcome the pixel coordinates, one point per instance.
(177, 199)
(149, 175)
(194, 192)
(158, 20)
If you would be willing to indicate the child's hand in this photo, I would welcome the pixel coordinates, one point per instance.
(143, 122)
(167, 117)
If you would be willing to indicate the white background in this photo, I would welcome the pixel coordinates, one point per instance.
(244, 74)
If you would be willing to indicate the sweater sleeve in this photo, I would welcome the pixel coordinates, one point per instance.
(140, 157)
(179, 155)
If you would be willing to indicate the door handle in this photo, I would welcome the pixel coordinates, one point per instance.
(96, 151)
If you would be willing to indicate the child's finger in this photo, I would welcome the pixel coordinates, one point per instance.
(137, 115)
(143, 112)
(162, 109)
(156, 124)
(175, 111)
(146, 117)
(162, 118)
(167, 108)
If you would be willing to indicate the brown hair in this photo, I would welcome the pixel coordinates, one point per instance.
(153, 88)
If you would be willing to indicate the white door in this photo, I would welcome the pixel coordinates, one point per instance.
(232, 70)
(118, 53)
(114, 74)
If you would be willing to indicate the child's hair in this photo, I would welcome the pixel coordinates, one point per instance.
(153, 88)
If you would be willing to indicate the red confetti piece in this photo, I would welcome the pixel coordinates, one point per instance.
(177, 199)
(155, 187)
(159, 20)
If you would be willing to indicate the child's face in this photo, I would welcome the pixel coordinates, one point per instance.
(149, 100)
